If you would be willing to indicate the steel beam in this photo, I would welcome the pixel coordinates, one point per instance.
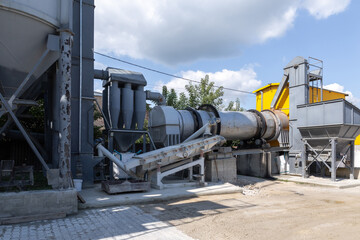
(333, 159)
(352, 159)
(280, 89)
(23, 131)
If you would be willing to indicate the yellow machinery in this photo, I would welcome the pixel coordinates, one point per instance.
(265, 95)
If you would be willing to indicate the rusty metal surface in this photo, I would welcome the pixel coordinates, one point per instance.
(64, 148)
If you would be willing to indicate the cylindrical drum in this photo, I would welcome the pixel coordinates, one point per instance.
(238, 125)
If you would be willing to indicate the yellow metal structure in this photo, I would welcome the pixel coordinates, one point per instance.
(265, 95)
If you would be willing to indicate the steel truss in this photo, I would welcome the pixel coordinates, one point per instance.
(327, 157)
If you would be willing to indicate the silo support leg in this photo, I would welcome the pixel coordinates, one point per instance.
(333, 159)
(64, 145)
(304, 161)
(352, 159)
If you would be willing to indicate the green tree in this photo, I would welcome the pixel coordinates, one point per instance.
(235, 108)
(183, 102)
(170, 96)
(165, 92)
(204, 93)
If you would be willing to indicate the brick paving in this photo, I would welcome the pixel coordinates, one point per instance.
(124, 222)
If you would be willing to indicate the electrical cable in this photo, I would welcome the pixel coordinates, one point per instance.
(164, 73)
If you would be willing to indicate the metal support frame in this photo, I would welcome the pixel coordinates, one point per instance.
(23, 131)
(134, 131)
(317, 65)
(333, 159)
(161, 174)
(332, 156)
(25, 81)
(111, 142)
(52, 45)
(10, 105)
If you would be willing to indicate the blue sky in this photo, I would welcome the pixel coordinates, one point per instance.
(240, 44)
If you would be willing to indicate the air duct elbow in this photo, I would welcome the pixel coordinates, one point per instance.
(101, 74)
(155, 96)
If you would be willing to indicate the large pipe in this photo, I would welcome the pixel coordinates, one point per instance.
(239, 125)
(247, 125)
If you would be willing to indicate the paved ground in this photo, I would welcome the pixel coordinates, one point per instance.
(263, 210)
(128, 222)
(267, 210)
(96, 198)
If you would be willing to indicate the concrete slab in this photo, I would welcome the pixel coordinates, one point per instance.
(96, 198)
(319, 181)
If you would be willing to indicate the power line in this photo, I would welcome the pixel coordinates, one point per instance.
(164, 73)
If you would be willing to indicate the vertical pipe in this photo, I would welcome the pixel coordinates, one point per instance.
(352, 159)
(333, 159)
(262, 100)
(66, 40)
(80, 79)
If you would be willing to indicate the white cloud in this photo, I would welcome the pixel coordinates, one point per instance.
(339, 88)
(321, 9)
(180, 31)
(244, 79)
(99, 65)
(98, 85)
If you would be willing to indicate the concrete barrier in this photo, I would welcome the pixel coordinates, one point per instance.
(37, 203)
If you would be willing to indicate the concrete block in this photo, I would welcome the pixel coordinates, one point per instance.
(252, 165)
(220, 170)
(13, 204)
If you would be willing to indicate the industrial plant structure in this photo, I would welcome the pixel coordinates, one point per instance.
(46, 52)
